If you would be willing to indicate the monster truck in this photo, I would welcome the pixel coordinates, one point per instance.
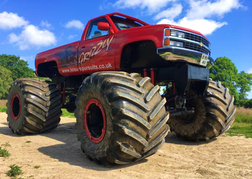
(110, 80)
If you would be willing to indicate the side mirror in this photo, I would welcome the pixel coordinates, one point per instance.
(103, 26)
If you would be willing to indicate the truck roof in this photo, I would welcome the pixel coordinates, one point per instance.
(123, 15)
(144, 23)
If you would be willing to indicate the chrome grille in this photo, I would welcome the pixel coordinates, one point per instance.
(196, 38)
(196, 47)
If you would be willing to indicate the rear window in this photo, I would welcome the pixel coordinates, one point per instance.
(124, 23)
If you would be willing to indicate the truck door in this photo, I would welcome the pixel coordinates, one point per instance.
(95, 50)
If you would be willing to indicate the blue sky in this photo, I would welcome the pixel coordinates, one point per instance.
(29, 27)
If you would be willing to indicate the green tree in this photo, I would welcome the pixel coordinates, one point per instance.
(244, 82)
(5, 82)
(248, 103)
(238, 83)
(225, 71)
(17, 66)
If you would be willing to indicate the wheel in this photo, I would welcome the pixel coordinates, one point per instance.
(121, 117)
(33, 106)
(214, 114)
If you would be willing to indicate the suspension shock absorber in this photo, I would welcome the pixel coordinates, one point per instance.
(62, 91)
(152, 74)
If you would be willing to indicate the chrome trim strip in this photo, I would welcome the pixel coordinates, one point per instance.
(164, 37)
(179, 48)
(187, 40)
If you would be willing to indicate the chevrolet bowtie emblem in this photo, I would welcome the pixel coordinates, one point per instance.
(201, 44)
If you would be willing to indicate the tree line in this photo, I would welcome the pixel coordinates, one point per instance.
(223, 70)
(11, 68)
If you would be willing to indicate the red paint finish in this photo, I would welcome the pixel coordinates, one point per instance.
(186, 29)
(152, 76)
(97, 103)
(60, 89)
(103, 26)
(101, 53)
(145, 72)
(15, 107)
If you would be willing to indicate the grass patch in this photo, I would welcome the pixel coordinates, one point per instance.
(14, 171)
(239, 129)
(243, 123)
(37, 166)
(4, 153)
(28, 142)
(65, 113)
(3, 108)
(243, 115)
(7, 144)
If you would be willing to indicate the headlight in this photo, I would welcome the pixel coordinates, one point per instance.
(175, 33)
(176, 43)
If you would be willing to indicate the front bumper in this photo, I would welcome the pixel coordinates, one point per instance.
(181, 54)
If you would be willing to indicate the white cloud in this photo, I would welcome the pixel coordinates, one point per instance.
(11, 20)
(250, 71)
(200, 15)
(151, 5)
(205, 9)
(170, 13)
(70, 37)
(45, 24)
(75, 24)
(204, 26)
(32, 36)
(105, 4)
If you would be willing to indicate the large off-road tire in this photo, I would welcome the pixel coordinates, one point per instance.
(214, 114)
(33, 106)
(121, 117)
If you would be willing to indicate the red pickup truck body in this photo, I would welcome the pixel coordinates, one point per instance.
(110, 79)
(104, 53)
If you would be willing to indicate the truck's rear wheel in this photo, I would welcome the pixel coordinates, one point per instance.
(121, 117)
(214, 114)
(33, 106)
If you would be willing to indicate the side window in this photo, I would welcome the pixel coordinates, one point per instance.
(93, 31)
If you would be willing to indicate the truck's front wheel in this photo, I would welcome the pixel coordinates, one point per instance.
(121, 117)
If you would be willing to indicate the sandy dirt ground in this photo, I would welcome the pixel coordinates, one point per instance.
(58, 155)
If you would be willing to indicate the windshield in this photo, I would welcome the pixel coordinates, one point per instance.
(124, 23)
